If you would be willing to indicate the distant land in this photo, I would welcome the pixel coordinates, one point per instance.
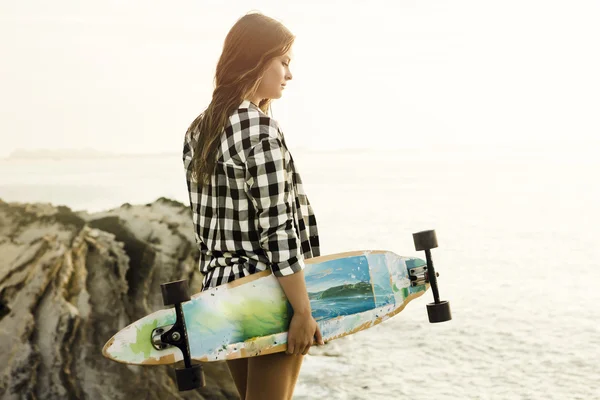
(87, 153)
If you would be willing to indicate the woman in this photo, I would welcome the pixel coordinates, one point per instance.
(250, 212)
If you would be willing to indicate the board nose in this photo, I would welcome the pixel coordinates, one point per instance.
(106, 350)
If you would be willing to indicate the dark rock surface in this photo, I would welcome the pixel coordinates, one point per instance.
(70, 280)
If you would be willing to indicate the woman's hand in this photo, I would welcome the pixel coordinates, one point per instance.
(302, 333)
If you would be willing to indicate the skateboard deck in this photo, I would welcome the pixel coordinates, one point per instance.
(348, 292)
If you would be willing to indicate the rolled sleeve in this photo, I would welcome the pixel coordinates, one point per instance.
(268, 190)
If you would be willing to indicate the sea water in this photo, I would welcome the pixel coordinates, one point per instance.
(518, 260)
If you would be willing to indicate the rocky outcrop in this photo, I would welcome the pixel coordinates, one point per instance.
(70, 280)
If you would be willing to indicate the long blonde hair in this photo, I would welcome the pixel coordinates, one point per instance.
(252, 42)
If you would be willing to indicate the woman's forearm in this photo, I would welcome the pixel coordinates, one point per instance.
(295, 289)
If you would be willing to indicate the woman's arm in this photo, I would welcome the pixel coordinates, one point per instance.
(303, 331)
(295, 290)
(269, 192)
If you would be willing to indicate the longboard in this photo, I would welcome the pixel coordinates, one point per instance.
(349, 292)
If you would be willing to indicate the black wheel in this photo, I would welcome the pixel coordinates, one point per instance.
(439, 312)
(425, 240)
(175, 292)
(190, 378)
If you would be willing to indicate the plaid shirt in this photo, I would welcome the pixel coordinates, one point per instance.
(254, 215)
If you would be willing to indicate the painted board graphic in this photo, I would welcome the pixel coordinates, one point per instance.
(348, 292)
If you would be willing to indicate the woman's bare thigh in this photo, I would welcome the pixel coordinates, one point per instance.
(273, 376)
(239, 372)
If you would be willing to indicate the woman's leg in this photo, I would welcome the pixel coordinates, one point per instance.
(273, 376)
(239, 372)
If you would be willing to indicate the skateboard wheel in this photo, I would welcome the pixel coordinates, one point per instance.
(425, 240)
(175, 292)
(190, 378)
(439, 312)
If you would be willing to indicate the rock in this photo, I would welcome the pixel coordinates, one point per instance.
(70, 280)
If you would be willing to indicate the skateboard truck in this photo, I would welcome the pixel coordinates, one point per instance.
(420, 276)
(174, 293)
(438, 311)
(157, 341)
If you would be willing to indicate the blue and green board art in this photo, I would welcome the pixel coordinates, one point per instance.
(347, 294)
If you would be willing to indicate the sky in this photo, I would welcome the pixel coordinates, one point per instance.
(129, 77)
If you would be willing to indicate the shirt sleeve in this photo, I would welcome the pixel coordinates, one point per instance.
(268, 191)
(187, 152)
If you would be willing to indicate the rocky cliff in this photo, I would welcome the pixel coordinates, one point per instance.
(70, 280)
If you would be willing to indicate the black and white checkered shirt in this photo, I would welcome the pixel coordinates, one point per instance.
(254, 215)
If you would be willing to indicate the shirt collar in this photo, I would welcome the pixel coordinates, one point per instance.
(248, 104)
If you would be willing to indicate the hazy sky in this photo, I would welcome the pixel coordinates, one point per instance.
(130, 76)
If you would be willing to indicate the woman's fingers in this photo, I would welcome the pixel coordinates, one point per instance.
(291, 347)
(306, 347)
(297, 348)
(318, 336)
(300, 346)
(301, 349)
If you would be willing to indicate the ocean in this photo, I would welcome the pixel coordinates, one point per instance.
(518, 259)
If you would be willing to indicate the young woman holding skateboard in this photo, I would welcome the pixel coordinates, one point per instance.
(249, 209)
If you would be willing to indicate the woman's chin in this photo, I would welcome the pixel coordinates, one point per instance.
(276, 95)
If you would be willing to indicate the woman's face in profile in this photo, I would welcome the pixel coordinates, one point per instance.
(275, 77)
